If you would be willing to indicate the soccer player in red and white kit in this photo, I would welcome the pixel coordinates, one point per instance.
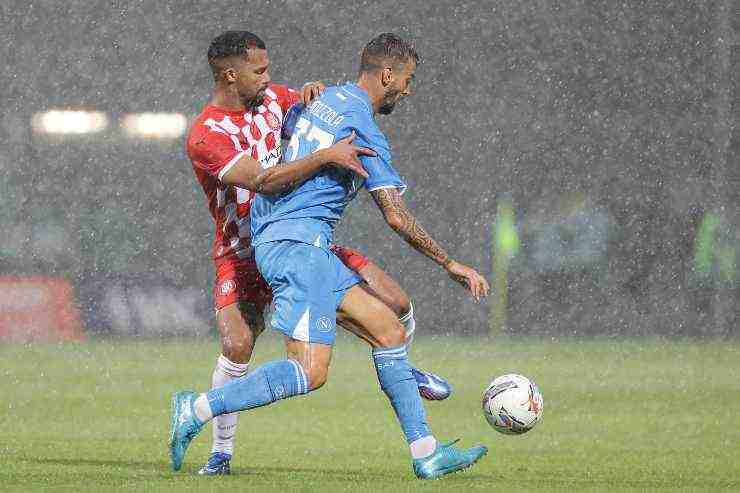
(235, 149)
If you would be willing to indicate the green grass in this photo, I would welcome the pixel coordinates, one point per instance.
(619, 416)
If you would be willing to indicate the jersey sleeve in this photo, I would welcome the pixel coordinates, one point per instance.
(213, 150)
(290, 119)
(381, 173)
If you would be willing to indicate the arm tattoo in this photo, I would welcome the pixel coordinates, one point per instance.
(405, 224)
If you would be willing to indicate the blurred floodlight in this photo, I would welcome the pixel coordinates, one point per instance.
(155, 125)
(69, 122)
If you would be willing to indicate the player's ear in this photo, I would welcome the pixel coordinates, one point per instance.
(386, 76)
(229, 74)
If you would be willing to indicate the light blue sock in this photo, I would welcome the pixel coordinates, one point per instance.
(396, 380)
(267, 384)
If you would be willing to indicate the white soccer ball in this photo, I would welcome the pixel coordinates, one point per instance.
(512, 404)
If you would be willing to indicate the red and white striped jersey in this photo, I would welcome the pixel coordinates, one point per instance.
(217, 140)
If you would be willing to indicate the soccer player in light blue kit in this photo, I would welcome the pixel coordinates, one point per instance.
(313, 289)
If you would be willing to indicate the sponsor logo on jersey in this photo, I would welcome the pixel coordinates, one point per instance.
(272, 158)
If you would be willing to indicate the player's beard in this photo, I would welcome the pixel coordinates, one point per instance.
(257, 101)
(389, 101)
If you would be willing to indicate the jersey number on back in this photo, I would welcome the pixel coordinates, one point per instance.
(317, 137)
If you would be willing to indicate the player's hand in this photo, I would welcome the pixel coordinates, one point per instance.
(469, 278)
(311, 91)
(346, 155)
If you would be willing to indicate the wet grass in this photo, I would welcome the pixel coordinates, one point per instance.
(637, 415)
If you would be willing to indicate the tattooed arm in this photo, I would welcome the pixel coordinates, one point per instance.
(400, 219)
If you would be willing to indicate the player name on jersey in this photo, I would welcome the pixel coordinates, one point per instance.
(325, 113)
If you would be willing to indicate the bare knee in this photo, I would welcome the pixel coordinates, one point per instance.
(385, 288)
(237, 334)
(393, 337)
(237, 347)
(401, 304)
(314, 359)
(316, 375)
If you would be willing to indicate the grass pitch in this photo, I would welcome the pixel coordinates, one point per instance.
(635, 415)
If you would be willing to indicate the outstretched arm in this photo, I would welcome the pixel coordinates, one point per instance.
(248, 173)
(400, 219)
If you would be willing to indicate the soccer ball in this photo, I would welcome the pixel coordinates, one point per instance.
(512, 404)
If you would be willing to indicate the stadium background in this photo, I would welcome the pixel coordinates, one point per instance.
(610, 128)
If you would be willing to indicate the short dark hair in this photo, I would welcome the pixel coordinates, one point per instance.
(233, 43)
(385, 47)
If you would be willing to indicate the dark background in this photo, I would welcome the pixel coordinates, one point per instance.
(610, 126)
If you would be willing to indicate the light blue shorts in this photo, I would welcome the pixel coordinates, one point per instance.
(308, 283)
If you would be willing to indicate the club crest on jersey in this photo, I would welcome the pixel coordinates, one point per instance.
(324, 324)
(227, 287)
(272, 120)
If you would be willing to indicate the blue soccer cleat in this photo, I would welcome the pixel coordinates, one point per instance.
(185, 426)
(431, 386)
(447, 459)
(217, 465)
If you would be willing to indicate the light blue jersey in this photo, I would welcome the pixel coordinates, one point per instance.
(292, 232)
(309, 213)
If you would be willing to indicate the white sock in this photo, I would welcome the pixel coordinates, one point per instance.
(224, 426)
(202, 408)
(409, 324)
(423, 447)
